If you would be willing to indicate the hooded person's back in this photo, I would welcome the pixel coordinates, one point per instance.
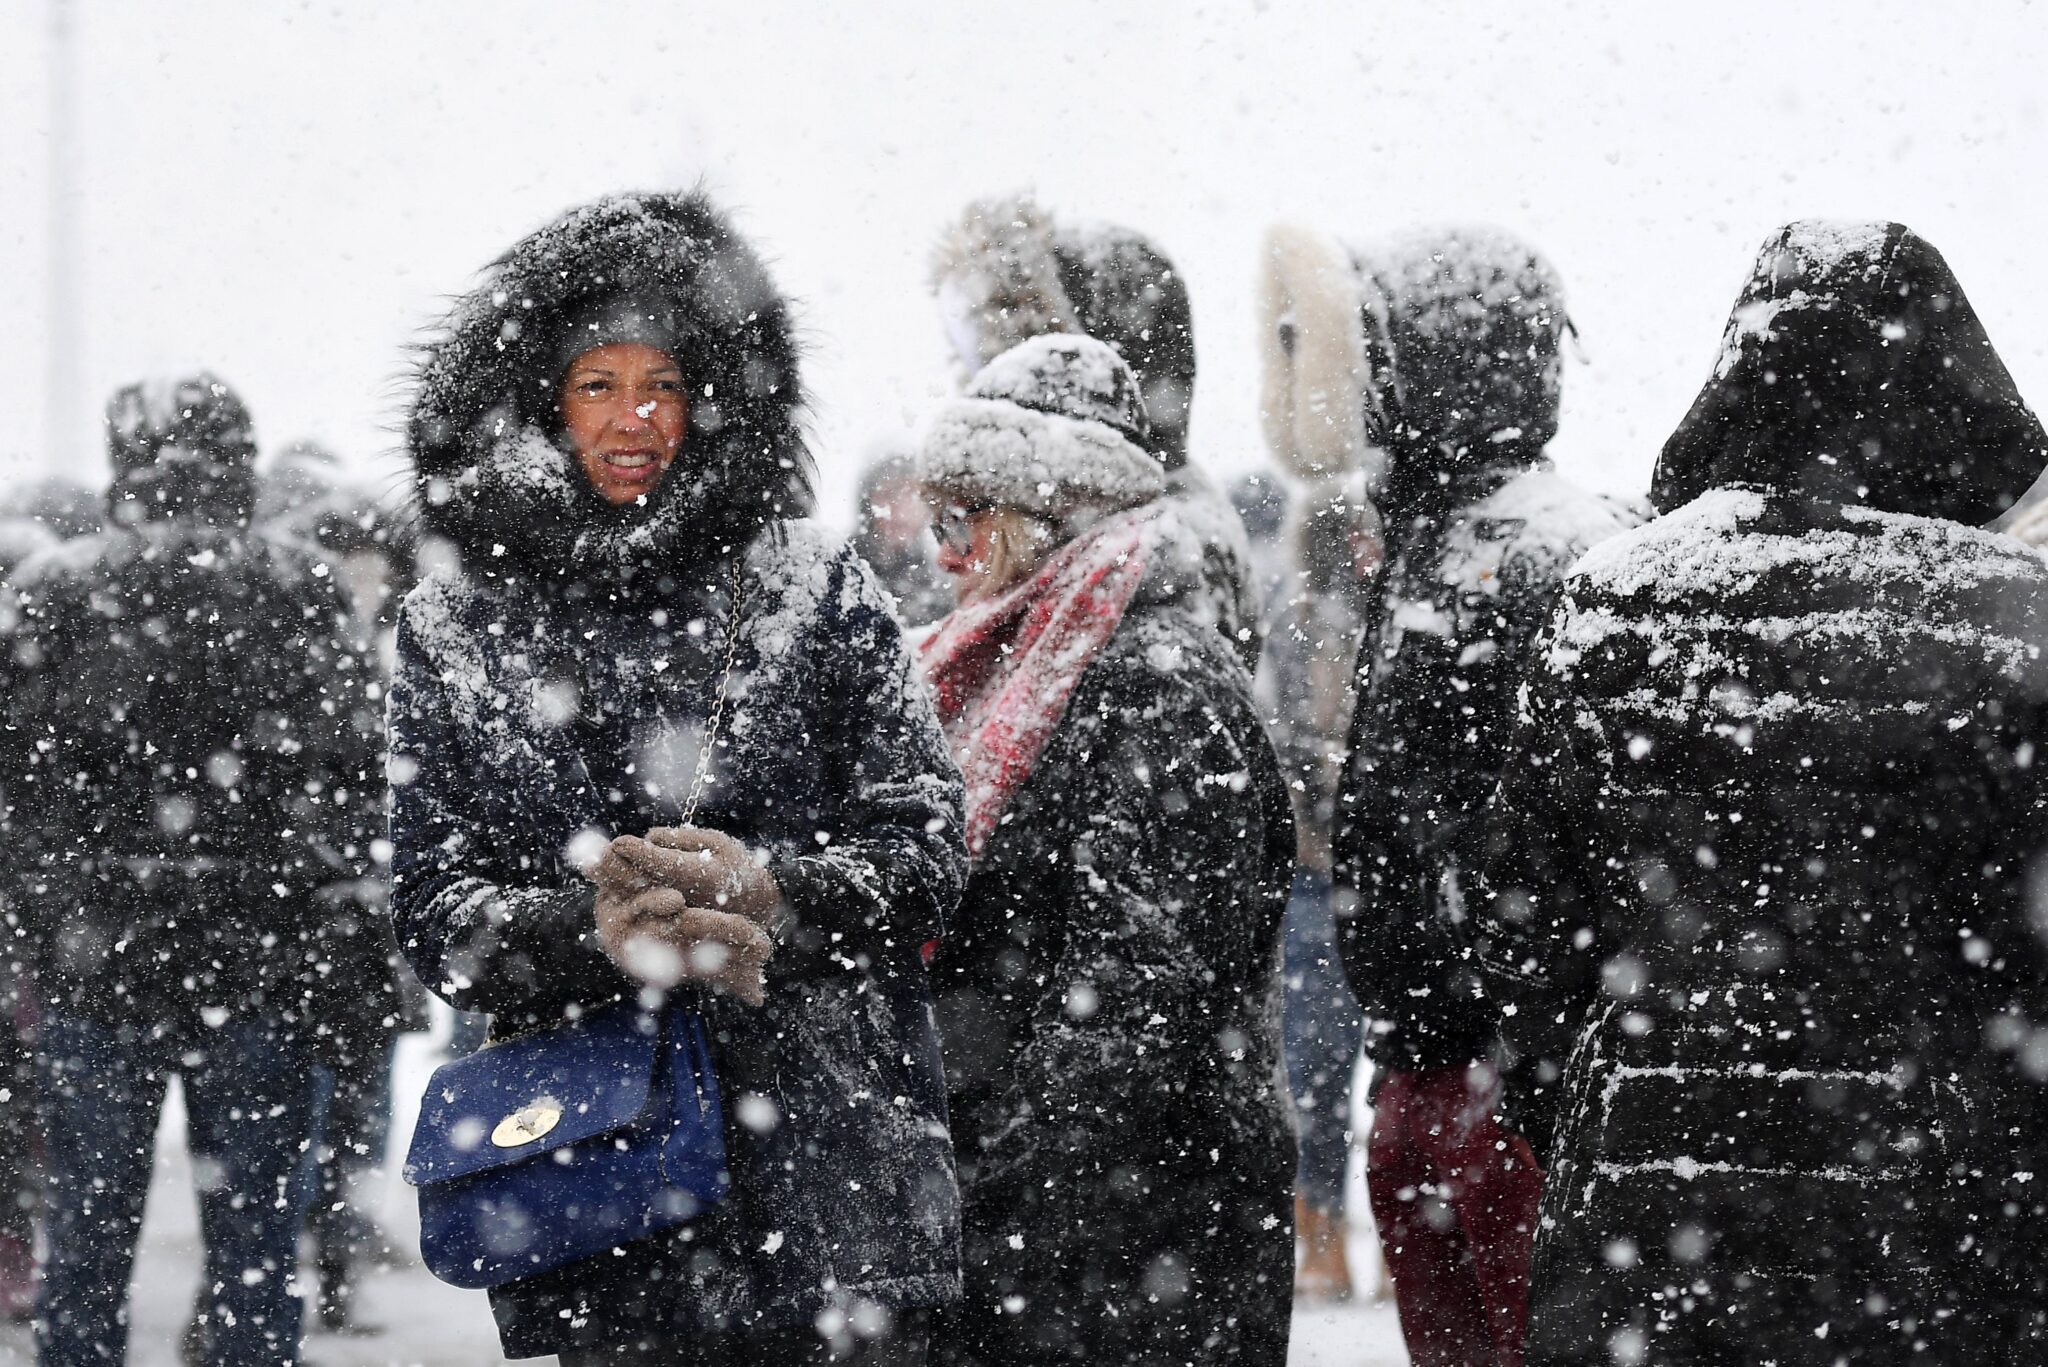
(185, 704)
(1764, 845)
(1462, 332)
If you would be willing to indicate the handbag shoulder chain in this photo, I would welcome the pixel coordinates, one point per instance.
(715, 723)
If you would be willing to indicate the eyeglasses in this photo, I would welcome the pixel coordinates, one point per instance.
(953, 524)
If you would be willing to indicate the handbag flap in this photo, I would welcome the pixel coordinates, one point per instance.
(534, 1094)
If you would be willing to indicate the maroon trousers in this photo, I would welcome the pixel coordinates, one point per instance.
(1454, 1197)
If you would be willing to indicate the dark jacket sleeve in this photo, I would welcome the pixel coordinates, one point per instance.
(885, 874)
(1537, 909)
(1171, 890)
(480, 931)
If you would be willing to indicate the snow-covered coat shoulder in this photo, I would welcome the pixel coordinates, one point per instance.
(832, 761)
(1759, 882)
(1104, 996)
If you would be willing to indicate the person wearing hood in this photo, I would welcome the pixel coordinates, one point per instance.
(656, 740)
(1432, 361)
(190, 729)
(1006, 270)
(1104, 991)
(1764, 911)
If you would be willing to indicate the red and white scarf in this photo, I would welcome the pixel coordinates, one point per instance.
(1004, 668)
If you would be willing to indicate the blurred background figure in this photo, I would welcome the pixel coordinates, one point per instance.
(1261, 500)
(63, 507)
(190, 735)
(304, 497)
(893, 534)
(303, 494)
(1314, 622)
(1006, 271)
(21, 537)
(1431, 362)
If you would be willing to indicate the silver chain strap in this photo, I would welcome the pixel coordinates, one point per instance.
(716, 722)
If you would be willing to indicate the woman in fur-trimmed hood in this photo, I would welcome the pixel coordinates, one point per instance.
(608, 429)
(1124, 1159)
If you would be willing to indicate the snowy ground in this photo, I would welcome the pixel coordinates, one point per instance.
(428, 1324)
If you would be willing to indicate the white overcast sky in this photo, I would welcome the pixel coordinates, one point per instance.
(286, 192)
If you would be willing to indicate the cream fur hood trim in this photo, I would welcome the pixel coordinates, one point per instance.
(1312, 349)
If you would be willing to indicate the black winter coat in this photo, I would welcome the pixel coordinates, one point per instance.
(1764, 845)
(842, 1168)
(192, 745)
(1106, 1001)
(555, 692)
(1479, 529)
(1437, 677)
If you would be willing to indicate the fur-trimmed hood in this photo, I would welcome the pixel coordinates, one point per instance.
(1007, 271)
(1416, 358)
(489, 471)
(1854, 370)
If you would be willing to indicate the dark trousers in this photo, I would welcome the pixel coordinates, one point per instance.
(352, 1117)
(906, 1343)
(248, 1095)
(1321, 1032)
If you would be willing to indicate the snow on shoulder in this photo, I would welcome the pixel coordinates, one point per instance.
(1713, 546)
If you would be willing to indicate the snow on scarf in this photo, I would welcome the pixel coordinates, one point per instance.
(1004, 668)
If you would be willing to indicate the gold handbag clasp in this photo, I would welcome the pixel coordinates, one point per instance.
(528, 1123)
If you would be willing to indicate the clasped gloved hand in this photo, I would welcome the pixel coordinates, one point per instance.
(687, 903)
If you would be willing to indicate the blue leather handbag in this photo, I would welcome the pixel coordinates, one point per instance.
(549, 1148)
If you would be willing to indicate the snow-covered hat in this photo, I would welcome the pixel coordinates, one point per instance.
(1054, 424)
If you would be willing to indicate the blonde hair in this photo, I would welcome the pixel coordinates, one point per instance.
(1018, 542)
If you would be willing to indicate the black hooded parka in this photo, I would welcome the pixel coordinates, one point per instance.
(1463, 329)
(1764, 846)
(555, 690)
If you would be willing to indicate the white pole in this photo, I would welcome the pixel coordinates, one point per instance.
(63, 451)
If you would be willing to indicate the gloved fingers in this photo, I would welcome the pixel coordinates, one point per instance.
(751, 891)
(700, 874)
(724, 950)
(616, 871)
(662, 939)
(699, 838)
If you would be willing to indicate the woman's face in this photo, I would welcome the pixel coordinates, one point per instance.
(625, 411)
(984, 550)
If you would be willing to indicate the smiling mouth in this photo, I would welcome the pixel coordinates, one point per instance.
(632, 464)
